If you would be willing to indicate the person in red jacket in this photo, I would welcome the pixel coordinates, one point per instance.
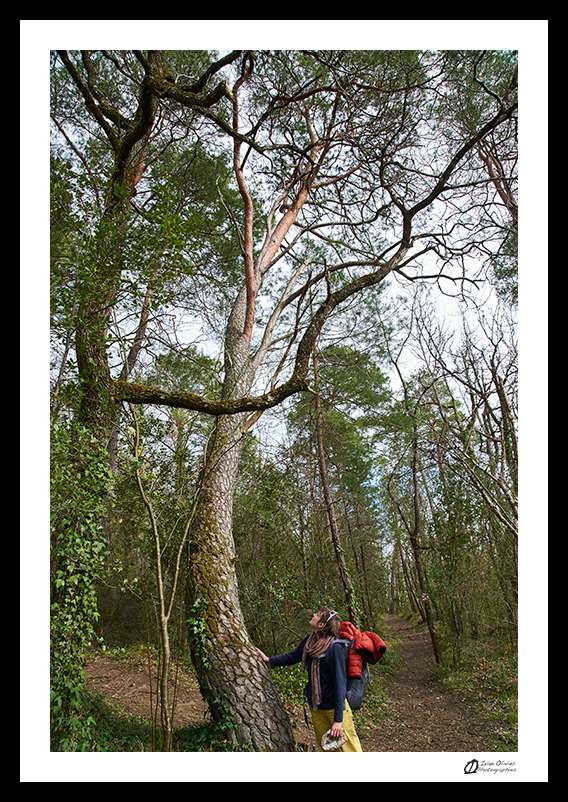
(327, 679)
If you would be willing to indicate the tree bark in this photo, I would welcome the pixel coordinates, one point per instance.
(234, 681)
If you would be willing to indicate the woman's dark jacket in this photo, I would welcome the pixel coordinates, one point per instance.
(333, 675)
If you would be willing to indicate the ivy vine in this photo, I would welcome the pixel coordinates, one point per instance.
(81, 486)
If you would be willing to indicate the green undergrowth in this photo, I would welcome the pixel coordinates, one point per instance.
(116, 731)
(290, 682)
(113, 731)
(490, 683)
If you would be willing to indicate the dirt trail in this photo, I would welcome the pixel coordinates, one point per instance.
(126, 684)
(420, 717)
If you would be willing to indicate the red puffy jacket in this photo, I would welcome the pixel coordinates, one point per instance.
(367, 647)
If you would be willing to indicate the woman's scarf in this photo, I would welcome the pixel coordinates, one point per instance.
(315, 647)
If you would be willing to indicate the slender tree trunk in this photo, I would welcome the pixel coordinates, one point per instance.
(414, 542)
(129, 364)
(410, 592)
(370, 611)
(163, 613)
(330, 510)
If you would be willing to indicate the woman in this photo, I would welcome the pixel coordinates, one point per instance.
(325, 662)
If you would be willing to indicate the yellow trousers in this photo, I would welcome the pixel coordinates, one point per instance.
(322, 721)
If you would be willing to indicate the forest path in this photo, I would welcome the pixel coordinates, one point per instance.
(125, 683)
(420, 715)
(417, 716)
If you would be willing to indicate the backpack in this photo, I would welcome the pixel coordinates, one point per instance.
(357, 686)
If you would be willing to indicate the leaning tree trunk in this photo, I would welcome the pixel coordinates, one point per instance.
(234, 681)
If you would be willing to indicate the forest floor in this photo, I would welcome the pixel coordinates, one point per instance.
(420, 715)
(415, 713)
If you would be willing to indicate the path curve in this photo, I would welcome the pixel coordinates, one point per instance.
(420, 716)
